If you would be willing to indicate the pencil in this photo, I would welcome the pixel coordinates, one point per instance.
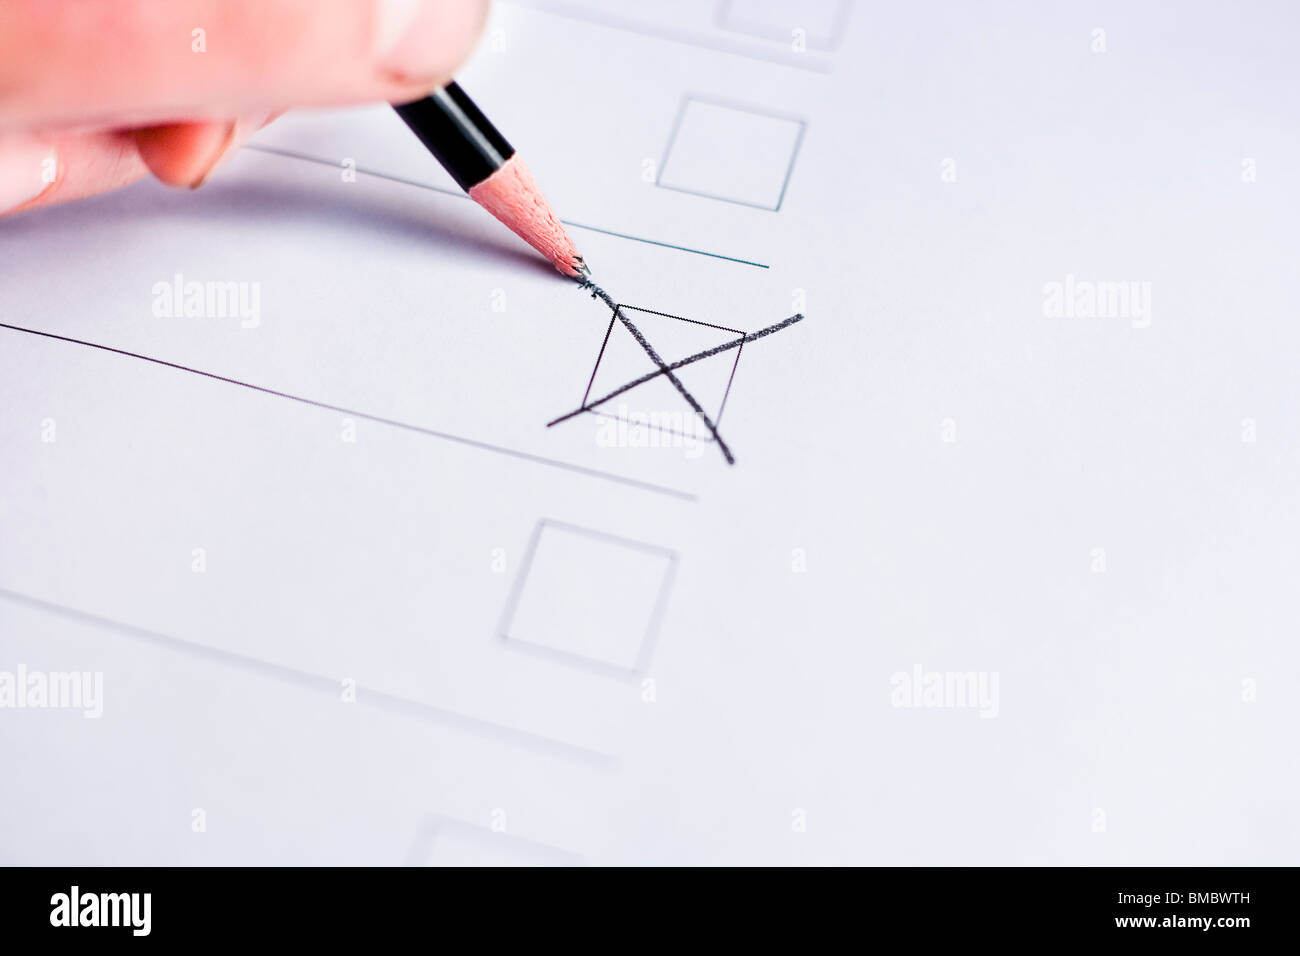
(487, 167)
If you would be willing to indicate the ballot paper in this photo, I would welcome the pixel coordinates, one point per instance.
(296, 569)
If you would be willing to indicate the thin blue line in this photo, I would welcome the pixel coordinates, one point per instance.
(666, 245)
(290, 154)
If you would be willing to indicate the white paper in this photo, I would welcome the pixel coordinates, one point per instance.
(991, 581)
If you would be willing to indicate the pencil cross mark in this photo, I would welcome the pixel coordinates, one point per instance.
(667, 370)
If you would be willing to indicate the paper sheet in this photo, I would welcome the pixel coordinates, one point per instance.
(997, 576)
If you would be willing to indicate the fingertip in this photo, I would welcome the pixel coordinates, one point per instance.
(29, 168)
(183, 154)
(186, 154)
(76, 165)
(421, 43)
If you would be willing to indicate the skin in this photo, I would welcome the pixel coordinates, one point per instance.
(95, 94)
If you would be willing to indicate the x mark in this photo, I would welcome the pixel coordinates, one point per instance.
(666, 369)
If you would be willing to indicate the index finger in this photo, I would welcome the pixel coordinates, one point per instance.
(111, 63)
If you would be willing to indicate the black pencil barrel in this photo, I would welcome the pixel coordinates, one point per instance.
(458, 134)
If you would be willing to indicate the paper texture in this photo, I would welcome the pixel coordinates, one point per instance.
(998, 575)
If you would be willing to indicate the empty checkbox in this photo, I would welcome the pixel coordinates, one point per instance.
(589, 597)
(816, 23)
(735, 153)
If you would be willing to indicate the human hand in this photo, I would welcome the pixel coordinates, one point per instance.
(95, 94)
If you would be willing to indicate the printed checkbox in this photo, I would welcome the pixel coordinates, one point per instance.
(590, 597)
(621, 359)
(818, 23)
(734, 153)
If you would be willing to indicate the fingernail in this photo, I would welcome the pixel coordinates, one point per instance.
(217, 156)
(237, 132)
(419, 41)
(28, 167)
